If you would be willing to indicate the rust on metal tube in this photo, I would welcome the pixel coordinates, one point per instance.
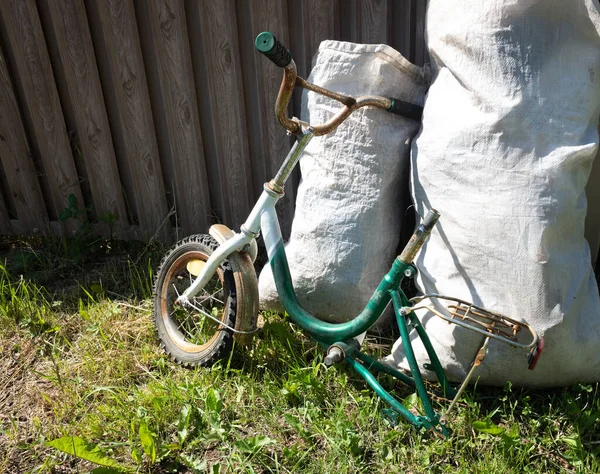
(350, 104)
(284, 96)
(344, 99)
(418, 238)
(336, 120)
(276, 187)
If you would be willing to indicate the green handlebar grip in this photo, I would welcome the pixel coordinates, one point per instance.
(270, 46)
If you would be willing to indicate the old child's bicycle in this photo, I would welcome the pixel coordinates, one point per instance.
(206, 295)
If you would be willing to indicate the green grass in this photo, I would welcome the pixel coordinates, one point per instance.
(80, 360)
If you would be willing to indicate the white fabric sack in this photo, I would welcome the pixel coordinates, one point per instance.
(505, 151)
(354, 188)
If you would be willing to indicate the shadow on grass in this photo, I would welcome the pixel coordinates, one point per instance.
(73, 269)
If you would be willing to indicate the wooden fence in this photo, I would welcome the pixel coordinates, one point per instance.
(156, 115)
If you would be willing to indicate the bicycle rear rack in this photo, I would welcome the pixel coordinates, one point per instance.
(474, 318)
(489, 324)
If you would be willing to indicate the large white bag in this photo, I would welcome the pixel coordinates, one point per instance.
(354, 188)
(508, 138)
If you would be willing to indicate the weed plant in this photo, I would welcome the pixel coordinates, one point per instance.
(85, 388)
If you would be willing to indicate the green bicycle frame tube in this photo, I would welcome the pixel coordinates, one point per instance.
(371, 363)
(410, 357)
(333, 332)
(419, 422)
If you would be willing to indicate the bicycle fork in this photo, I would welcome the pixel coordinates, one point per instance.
(262, 212)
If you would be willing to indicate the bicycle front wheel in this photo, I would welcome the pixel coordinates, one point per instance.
(199, 334)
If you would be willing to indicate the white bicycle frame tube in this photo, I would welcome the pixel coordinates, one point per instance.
(263, 215)
(265, 206)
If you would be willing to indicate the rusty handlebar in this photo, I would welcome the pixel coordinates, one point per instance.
(270, 46)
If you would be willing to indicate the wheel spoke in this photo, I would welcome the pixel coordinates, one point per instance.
(207, 316)
(193, 324)
(190, 318)
(182, 322)
(211, 297)
(199, 328)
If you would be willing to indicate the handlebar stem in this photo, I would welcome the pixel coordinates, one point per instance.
(278, 183)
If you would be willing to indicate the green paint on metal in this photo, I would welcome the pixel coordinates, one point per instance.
(412, 361)
(371, 363)
(403, 298)
(265, 42)
(417, 421)
(332, 332)
(342, 335)
(391, 108)
(349, 347)
(435, 365)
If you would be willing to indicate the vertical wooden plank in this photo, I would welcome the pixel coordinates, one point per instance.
(7, 209)
(206, 117)
(72, 32)
(297, 34)
(5, 226)
(247, 31)
(23, 29)
(349, 21)
(135, 123)
(311, 21)
(270, 15)
(375, 18)
(400, 38)
(217, 22)
(168, 29)
(420, 48)
(15, 155)
(320, 22)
